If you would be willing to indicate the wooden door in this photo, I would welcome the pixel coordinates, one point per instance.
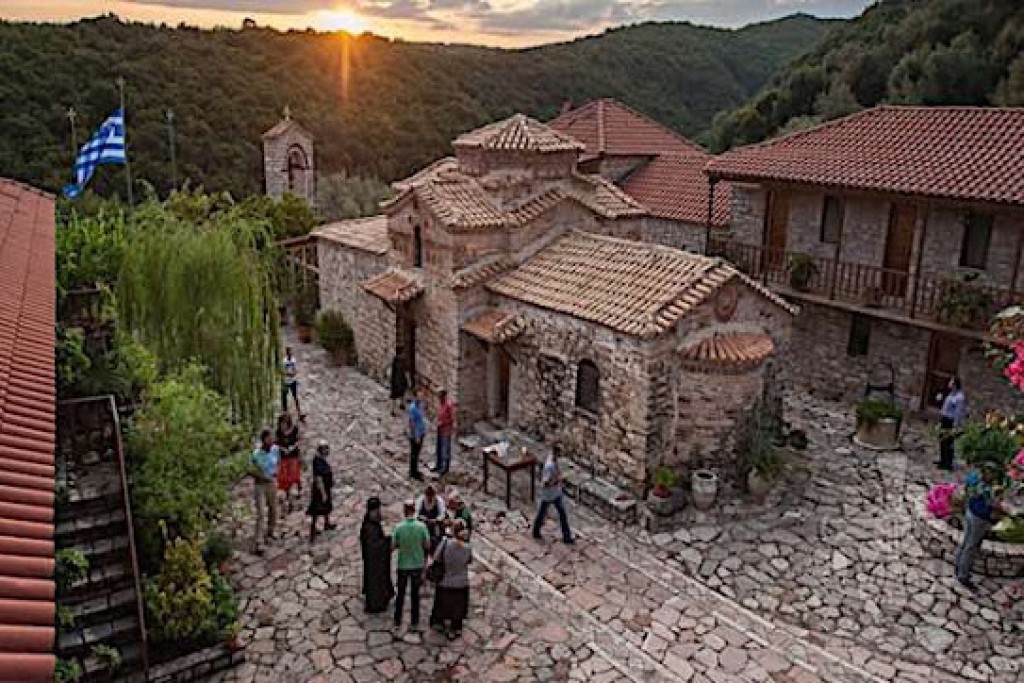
(504, 383)
(406, 339)
(943, 364)
(899, 241)
(776, 226)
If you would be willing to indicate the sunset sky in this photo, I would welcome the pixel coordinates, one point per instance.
(490, 22)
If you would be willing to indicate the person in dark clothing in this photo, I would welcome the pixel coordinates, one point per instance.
(399, 382)
(951, 419)
(376, 547)
(979, 517)
(320, 503)
(417, 430)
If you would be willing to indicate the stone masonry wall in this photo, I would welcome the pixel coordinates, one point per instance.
(678, 234)
(543, 394)
(342, 270)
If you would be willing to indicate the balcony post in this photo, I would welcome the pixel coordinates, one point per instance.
(712, 181)
(915, 282)
(835, 261)
(1016, 268)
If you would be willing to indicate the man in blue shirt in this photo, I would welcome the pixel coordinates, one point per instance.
(954, 412)
(979, 517)
(551, 494)
(264, 461)
(417, 432)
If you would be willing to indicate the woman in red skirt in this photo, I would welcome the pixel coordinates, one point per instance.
(288, 470)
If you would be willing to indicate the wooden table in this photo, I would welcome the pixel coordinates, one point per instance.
(529, 462)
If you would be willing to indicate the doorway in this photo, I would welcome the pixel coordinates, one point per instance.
(899, 241)
(775, 229)
(405, 338)
(500, 380)
(943, 364)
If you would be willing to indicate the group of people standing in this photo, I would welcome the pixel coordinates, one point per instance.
(416, 420)
(431, 543)
(277, 468)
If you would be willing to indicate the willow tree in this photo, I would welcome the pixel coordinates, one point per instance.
(199, 288)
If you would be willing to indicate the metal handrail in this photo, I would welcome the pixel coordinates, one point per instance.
(129, 521)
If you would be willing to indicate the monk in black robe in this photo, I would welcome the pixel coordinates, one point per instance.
(376, 547)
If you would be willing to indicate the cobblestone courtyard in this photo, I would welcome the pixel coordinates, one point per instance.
(825, 582)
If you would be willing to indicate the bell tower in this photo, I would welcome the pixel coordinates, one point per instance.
(289, 164)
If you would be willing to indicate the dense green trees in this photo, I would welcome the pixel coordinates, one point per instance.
(927, 52)
(378, 108)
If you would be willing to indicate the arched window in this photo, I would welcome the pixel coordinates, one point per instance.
(296, 167)
(588, 387)
(417, 246)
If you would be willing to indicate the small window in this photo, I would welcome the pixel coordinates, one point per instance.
(977, 234)
(588, 387)
(860, 335)
(417, 246)
(832, 219)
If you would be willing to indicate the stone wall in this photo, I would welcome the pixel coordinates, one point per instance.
(822, 366)
(944, 238)
(678, 234)
(342, 270)
(543, 393)
(941, 540)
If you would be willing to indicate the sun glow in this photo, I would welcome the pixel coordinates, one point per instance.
(341, 20)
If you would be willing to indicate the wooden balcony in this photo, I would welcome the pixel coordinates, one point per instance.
(950, 301)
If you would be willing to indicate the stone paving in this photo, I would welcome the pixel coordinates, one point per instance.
(825, 582)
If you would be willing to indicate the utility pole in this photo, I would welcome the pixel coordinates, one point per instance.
(127, 166)
(169, 116)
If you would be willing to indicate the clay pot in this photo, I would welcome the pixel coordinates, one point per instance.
(883, 434)
(305, 333)
(758, 486)
(704, 487)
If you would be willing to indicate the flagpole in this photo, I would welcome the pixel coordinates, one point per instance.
(127, 165)
(72, 115)
(169, 114)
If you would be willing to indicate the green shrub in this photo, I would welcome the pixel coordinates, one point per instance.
(67, 671)
(1010, 529)
(964, 302)
(666, 477)
(179, 599)
(801, 269)
(871, 411)
(336, 336)
(217, 549)
(70, 566)
(980, 445)
(109, 656)
(225, 605)
(187, 456)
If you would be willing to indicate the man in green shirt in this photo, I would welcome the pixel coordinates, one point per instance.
(412, 541)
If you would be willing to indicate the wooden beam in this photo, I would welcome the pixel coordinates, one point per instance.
(916, 281)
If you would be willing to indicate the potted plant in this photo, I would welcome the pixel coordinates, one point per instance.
(878, 424)
(108, 657)
(665, 498)
(801, 269)
(305, 310)
(664, 480)
(765, 467)
(335, 334)
(704, 487)
(964, 302)
(231, 632)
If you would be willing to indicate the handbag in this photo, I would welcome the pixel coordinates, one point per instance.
(435, 570)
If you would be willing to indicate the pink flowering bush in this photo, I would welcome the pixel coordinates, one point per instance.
(940, 500)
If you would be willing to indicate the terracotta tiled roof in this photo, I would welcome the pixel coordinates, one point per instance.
(394, 286)
(283, 126)
(480, 272)
(674, 186)
(735, 350)
(429, 171)
(519, 133)
(494, 326)
(633, 287)
(27, 402)
(611, 128)
(366, 234)
(964, 153)
(461, 202)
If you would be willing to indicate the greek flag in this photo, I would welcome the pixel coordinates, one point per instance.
(106, 146)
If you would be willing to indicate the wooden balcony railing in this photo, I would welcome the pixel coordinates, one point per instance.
(301, 253)
(948, 301)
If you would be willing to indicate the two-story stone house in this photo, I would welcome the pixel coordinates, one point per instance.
(899, 231)
(521, 285)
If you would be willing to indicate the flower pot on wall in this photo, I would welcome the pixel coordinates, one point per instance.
(882, 434)
(705, 488)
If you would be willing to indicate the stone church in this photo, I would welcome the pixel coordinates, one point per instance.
(523, 286)
(289, 164)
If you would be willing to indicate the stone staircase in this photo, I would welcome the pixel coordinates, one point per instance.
(91, 518)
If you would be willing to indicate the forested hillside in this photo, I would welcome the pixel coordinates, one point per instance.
(377, 107)
(930, 52)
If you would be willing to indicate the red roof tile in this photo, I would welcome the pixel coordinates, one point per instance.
(394, 287)
(611, 128)
(518, 133)
(674, 186)
(27, 398)
(732, 350)
(967, 153)
(494, 325)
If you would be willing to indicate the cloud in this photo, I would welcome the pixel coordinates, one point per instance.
(252, 6)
